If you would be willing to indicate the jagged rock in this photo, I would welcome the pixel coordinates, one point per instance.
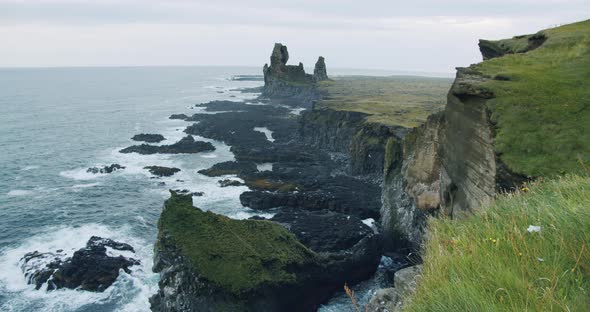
(90, 268)
(228, 182)
(149, 138)
(519, 44)
(105, 169)
(210, 263)
(186, 145)
(162, 171)
(394, 299)
(282, 80)
(319, 72)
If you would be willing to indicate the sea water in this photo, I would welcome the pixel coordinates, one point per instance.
(55, 123)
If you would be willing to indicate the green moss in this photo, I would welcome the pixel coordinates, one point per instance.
(490, 262)
(543, 111)
(402, 101)
(392, 156)
(236, 255)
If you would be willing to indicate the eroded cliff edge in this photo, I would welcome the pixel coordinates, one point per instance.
(520, 114)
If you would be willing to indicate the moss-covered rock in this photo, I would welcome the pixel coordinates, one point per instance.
(209, 262)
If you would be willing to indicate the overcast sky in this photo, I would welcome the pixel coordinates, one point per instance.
(409, 35)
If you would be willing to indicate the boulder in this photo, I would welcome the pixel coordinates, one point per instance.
(90, 268)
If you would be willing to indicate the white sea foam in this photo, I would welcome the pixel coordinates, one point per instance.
(20, 193)
(79, 186)
(132, 291)
(27, 168)
(266, 132)
(264, 167)
(80, 174)
(297, 111)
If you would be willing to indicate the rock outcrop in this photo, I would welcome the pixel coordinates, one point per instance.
(105, 169)
(148, 137)
(186, 145)
(90, 268)
(290, 81)
(320, 72)
(519, 44)
(209, 262)
(161, 171)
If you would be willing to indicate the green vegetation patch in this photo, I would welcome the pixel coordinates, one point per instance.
(236, 255)
(497, 260)
(399, 100)
(542, 104)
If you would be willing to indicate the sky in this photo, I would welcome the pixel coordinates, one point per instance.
(415, 35)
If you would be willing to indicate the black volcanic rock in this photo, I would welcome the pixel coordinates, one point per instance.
(214, 263)
(186, 145)
(178, 116)
(229, 182)
(319, 72)
(229, 167)
(149, 138)
(90, 268)
(105, 169)
(162, 171)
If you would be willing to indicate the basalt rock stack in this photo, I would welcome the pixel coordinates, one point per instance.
(290, 81)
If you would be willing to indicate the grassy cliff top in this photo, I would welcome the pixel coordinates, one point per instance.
(542, 104)
(402, 100)
(236, 255)
(491, 262)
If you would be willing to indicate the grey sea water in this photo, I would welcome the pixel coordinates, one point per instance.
(55, 123)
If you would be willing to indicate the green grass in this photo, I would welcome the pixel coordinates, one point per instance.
(236, 255)
(402, 100)
(489, 262)
(543, 111)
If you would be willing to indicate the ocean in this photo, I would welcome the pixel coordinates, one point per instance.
(55, 123)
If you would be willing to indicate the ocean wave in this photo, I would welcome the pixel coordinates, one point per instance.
(20, 193)
(130, 290)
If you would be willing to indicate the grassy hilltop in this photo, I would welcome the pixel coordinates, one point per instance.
(398, 100)
(490, 261)
(542, 103)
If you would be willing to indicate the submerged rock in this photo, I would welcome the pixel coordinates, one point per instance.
(90, 268)
(162, 171)
(150, 138)
(105, 169)
(186, 145)
(209, 262)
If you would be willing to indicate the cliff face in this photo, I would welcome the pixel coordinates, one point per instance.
(503, 124)
(290, 81)
(411, 185)
(348, 133)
